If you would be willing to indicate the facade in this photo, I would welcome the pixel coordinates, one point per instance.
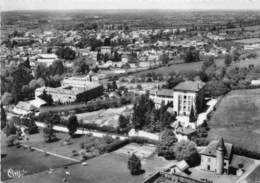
(78, 82)
(47, 59)
(106, 50)
(186, 95)
(161, 96)
(216, 157)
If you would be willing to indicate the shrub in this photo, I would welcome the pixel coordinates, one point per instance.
(116, 145)
(134, 165)
(244, 152)
(143, 140)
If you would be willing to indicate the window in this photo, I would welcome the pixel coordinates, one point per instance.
(209, 159)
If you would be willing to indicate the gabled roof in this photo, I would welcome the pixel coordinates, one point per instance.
(24, 106)
(211, 149)
(193, 86)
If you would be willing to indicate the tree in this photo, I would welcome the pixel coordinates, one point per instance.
(10, 129)
(49, 133)
(192, 117)
(41, 71)
(46, 97)
(123, 124)
(192, 55)
(228, 60)
(29, 122)
(56, 68)
(3, 117)
(166, 144)
(186, 150)
(216, 88)
(72, 125)
(21, 76)
(26, 63)
(208, 63)
(7, 98)
(134, 165)
(165, 58)
(80, 66)
(66, 53)
(114, 86)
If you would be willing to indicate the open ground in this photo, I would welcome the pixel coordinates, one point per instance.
(237, 119)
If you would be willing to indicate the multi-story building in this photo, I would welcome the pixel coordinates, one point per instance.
(186, 95)
(183, 97)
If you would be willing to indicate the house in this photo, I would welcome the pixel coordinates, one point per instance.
(186, 95)
(47, 59)
(216, 157)
(105, 50)
(23, 108)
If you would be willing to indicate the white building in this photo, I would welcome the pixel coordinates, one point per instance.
(162, 95)
(185, 96)
(47, 59)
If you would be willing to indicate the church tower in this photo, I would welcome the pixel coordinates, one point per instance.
(220, 151)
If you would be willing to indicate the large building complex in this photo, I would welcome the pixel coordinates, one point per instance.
(73, 89)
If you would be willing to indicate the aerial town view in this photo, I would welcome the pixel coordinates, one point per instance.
(130, 91)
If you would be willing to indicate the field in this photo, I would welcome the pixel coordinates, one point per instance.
(196, 66)
(237, 119)
(26, 161)
(108, 168)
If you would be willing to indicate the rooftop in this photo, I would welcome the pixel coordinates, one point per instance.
(193, 86)
(185, 131)
(165, 92)
(210, 150)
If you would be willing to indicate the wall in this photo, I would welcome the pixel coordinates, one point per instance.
(140, 133)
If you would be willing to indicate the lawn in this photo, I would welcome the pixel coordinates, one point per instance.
(237, 119)
(26, 161)
(108, 168)
(90, 149)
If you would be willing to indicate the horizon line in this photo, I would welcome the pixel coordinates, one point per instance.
(133, 9)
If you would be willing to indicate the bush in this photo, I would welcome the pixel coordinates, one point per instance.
(116, 145)
(244, 152)
(143, 140)
(12, 140)
(134, 165)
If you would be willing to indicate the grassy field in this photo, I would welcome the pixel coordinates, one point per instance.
(108, 168)
(237, 119)
(26, 161)
(196, 66)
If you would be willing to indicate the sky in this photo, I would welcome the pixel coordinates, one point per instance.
(7, 5)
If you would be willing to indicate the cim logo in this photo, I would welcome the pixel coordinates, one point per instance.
(12, 173)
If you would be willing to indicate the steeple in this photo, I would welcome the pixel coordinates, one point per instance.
(221, 145)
